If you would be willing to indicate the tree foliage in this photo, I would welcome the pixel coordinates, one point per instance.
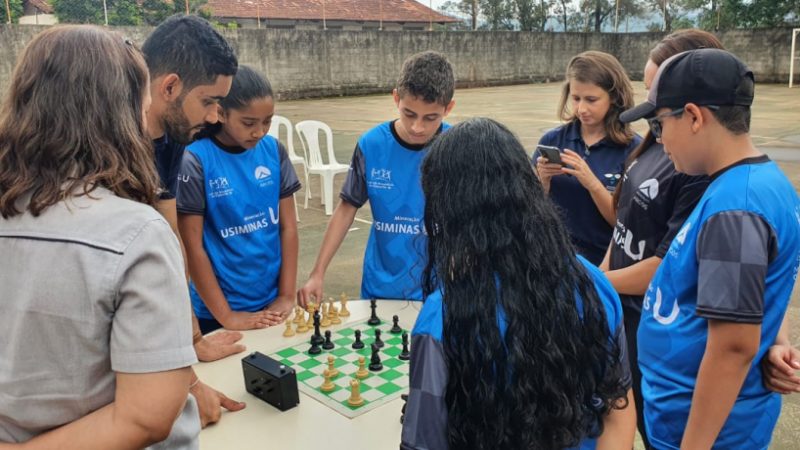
(124, 12)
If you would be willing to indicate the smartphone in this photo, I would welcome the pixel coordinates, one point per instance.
(552, 154)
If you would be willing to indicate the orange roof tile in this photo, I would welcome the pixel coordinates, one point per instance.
(354, 10)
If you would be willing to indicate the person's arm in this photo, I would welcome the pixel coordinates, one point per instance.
(604, 264)
(425, 419)
(729, 353)
(603, 200)
(734, 310)
(144, 408)
(340, 222)
(290, 245)
(780, 367)
(634, 279)
(191, 226)
(354, 194)
(619, 427)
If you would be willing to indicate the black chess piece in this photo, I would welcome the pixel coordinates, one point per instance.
(373, 318)
(378, 340)
(327, 345)
(317, 338)
(395, 327)
(358, 345)
(404, 355)
(375, 361)
(314, 350)
(403, 397)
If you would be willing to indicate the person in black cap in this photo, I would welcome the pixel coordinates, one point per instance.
(717, 300)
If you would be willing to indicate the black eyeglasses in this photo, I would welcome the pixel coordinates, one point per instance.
(655, 122)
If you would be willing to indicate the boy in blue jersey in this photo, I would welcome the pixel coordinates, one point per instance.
(385, 170)
(717, 301)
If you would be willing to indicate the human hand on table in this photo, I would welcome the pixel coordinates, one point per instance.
(310, 292)
(780, 368)
(283, 305)
(218, 345)
(210, 403)
(241, 320)
(578, 168)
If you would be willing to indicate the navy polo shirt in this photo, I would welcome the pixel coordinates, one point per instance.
(168, 156)
(588, 229)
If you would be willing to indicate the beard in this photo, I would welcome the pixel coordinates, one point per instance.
(176, 124)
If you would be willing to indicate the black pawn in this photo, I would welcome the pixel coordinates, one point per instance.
(373, 318)
(378, 340)
(316, 338)
(375, 361)
(395, 327)
(404, 355)
(314, 350)
(327, 345)
(358, 345)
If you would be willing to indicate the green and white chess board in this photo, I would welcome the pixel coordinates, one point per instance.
(377, 389)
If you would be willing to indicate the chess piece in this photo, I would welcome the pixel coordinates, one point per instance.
(358, 344)
(289, 332)
(375, 361)
(327, 345)
(298, 315)
(302, 326)
(334, 313)
(332, 370)
(378, 340)
(314, 350)
(343, 302)
(326, 319)
(355, 393)
(317, 336)
(373, 318)
(395, 327)
(327, 385)
(404, 398)
(362, 371)
(404, 355)
(310, 323)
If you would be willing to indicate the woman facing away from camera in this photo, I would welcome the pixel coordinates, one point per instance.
(520, 342)
(97, 346)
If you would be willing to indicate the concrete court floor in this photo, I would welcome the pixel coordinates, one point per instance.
(528, 110)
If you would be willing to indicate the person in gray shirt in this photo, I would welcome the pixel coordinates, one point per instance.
(97, 340)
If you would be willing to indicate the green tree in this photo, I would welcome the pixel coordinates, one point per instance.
(532, 15)
(16, 11)
(124, 13)
(498, 14)
(78, 11)
(726, 14)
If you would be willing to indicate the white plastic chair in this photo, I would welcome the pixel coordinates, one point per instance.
(279, 122)
(309, 131)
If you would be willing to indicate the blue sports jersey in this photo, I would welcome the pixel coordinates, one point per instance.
(238, 194)
(425, 424)
(395, 253)
(735, 259)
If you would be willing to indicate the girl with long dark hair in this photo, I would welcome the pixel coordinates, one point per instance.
(520, 343)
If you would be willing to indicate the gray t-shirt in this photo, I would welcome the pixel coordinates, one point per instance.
(91, 287)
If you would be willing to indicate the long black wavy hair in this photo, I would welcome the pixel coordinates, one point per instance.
(495, 240)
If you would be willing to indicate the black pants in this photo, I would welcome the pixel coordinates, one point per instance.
(631, 318)
(209, 325)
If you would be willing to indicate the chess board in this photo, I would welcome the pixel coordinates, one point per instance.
(377, 389)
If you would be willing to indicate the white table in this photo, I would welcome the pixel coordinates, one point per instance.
(310, 425)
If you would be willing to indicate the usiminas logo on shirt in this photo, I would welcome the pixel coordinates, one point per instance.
(252, 223)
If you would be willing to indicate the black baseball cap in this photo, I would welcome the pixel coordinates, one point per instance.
(707, 76)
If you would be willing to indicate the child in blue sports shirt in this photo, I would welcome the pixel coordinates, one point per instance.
(520, 343)
(717, 300)
(384, 170)
(236, 214)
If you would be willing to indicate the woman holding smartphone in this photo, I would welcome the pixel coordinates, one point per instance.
(593, 147)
